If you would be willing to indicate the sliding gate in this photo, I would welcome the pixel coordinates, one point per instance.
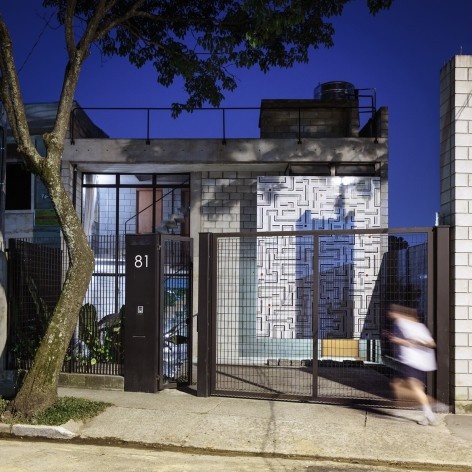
(158, 327)
(302, 315)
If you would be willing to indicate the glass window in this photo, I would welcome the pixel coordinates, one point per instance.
(135, 203)
(18, 187)
(355, 169)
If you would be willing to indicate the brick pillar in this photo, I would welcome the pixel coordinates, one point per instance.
(456, 211)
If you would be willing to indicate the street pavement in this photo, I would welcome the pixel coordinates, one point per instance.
(172, 420)
(48, 456)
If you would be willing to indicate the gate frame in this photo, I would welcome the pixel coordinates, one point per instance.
(145, 292)
(438, 383)
(161, 385)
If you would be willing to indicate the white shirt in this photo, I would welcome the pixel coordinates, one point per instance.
(419, 357)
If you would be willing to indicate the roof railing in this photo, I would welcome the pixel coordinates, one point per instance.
(369, 109)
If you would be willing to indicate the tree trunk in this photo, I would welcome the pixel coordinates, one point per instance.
(39, 389)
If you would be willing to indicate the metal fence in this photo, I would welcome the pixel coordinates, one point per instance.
(34, 283)
(36, 271)
(302, 315)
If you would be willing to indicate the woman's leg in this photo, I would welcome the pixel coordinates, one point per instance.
(417, 387)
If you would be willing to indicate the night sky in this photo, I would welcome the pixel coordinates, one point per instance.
(399, 53)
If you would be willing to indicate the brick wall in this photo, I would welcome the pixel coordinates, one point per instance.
(228, 201)
(311, 118)
(456, 210)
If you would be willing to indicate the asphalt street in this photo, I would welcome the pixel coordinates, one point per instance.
(28, 455)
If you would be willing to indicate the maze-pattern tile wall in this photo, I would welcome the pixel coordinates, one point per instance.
(348, 265)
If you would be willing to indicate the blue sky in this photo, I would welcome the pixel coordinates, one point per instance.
(399, 52)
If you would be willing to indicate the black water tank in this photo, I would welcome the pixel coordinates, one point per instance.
(336, 90)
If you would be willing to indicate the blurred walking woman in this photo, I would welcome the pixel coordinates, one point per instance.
(416, 355)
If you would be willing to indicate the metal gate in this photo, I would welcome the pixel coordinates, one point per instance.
(158, 322)
(301, 315)
(175, 313)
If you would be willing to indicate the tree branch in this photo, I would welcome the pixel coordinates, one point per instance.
(133, 12)
(69, 27)
(77, 54)
(10, 94)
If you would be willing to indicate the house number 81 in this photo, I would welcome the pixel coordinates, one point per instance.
(140, 261)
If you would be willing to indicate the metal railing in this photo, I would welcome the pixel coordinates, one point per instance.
(151, 129)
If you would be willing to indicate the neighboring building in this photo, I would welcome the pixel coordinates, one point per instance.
(456, 206)
(25, 209)
(28, 210)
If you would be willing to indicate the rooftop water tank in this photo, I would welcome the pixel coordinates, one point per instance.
(336, 90)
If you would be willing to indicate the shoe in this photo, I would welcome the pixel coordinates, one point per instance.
(433, 421)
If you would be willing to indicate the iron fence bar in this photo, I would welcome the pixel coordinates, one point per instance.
(213, 301)
(205, 346)
(430, 305)
(190, 314)
(325, 232)
(373, 107)
(117, 272)
(443, 322)
(161, 315)
(315, 314)
(116, 250)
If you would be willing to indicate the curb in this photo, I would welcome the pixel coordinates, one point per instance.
(110, 441)
(41, 431)
(61, 433)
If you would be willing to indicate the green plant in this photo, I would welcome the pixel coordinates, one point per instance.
(88, 324)
(170, 298)
(70, 408)
(3, 405)
(63, 410)
(28, 333)
(102, 339)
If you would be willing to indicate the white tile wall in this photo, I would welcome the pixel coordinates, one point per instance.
(456, 205)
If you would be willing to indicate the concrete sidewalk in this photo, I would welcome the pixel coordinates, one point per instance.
(173, 420)
(261, 427)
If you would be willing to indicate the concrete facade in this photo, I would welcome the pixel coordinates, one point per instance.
(224, 174)
(456, 211)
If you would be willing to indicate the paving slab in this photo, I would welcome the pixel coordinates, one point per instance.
(266, 427)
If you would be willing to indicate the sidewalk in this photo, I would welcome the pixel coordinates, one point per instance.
(173, 420)
(234, 425)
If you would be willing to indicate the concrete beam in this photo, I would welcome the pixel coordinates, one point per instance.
(180, 155)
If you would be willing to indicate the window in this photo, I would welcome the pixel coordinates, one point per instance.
(18, 187)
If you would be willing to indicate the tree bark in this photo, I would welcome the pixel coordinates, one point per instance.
(39, 389)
